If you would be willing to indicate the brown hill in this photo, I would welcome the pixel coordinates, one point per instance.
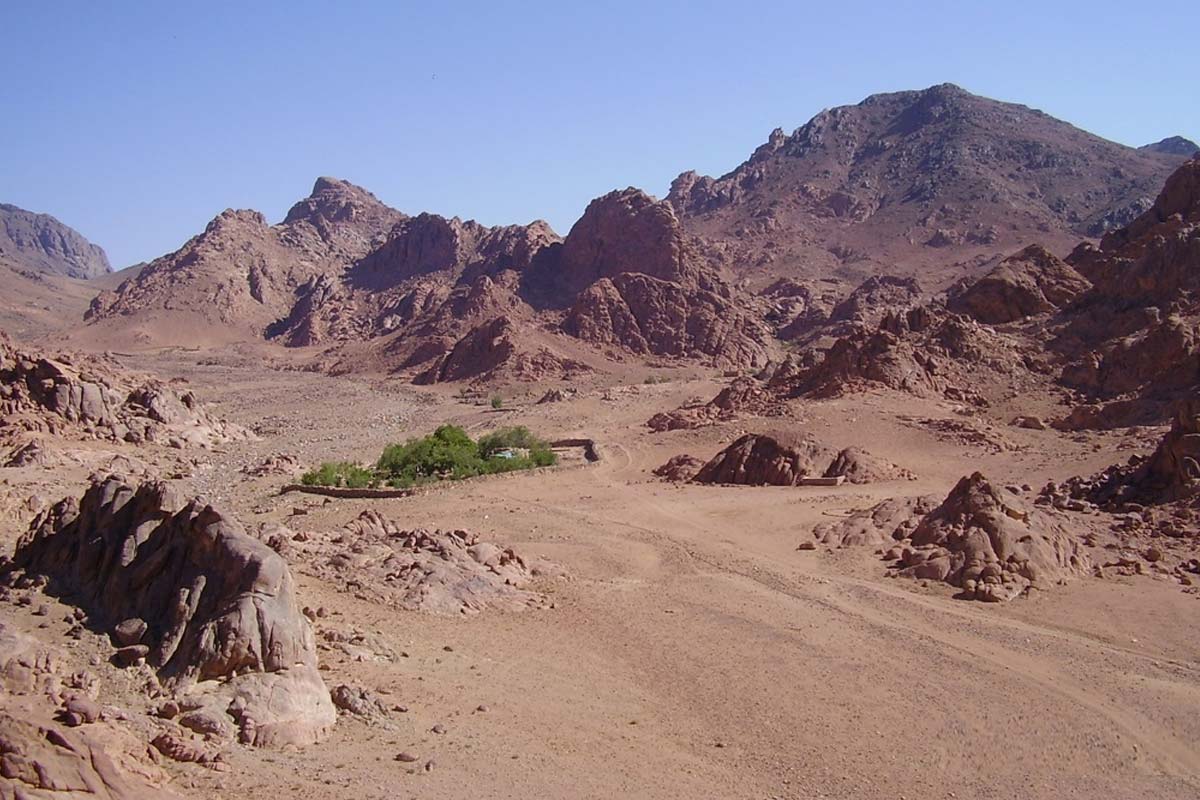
(241, 274)
(1173, 146)
(939, 179)
(1132, 342)
(41, 244)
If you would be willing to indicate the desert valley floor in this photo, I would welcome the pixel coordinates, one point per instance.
(686, 647)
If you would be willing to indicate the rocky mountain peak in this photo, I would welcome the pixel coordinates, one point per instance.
(41, 243)
(335, 200)
(1173, 146)
(624, 231)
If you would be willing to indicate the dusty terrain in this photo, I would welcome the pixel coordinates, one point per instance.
(688, 649)
(818, 528)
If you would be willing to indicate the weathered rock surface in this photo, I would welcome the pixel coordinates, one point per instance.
(43, 761)
(1134, 335)
(777, 459)
(62, 394)
(631, 279)
(241, 274)
(46, 757)
(1034, 281)
(913, 182)
(859, 466)
(1170, 475)
(883, 524)
(42, 244)
(679, 469)
(867, 304)
(649, 316)
(493, 349)
(992, 544)
(742, 396)
(440, 572)
(218, 605)
(923, 351)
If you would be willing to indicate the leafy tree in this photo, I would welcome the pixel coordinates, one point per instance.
(339, 473)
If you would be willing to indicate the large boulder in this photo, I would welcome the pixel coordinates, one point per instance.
(991, 544)
(856, 465)
(777, 459)
(214, 604)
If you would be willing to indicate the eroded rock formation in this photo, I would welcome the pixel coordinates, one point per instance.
(1033, 281)
(991, 544)
(63, 394)
(778, 459)
(440, 572)
(182, 585)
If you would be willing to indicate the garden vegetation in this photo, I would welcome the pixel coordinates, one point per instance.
(446, 454)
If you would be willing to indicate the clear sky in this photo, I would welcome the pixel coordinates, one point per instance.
(137, 122)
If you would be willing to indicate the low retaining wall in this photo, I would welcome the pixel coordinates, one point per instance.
(342, 491)
(591, 450)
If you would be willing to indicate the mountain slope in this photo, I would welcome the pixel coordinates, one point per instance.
(41, 244)
(937, 181)
(1173, 146)
(241, 274)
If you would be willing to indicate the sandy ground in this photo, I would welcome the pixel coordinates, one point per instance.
(692, 651)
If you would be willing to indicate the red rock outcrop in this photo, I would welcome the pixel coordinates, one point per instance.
(656, 317)
(859, 466)
(914, 183)
(439, 572)
(679, 469)
(630, 278)
(241, 274)
(1170, 475)
(184, 587)
(883, 524)
(923, 351)
(1136, 334)
(1033, 281)
(992, 544)
(494, 349)
(758, 459)
(89, 395)
(741, 396)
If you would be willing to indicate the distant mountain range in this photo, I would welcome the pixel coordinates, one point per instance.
(937, 184)
(41, 243)
(924, 183)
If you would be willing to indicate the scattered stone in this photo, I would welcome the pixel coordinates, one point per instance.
(130, 631)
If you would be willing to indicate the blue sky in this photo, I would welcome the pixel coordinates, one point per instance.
(138, 122)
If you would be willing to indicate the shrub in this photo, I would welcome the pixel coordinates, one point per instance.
(446, 453)
(497, 401)
(339, 473)
(538, 454)
(507, 439)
